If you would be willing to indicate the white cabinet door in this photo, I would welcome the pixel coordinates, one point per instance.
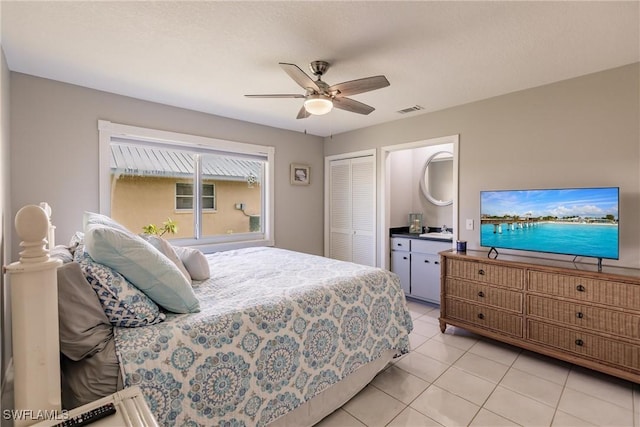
(401, 265)
(425, 276)
(352, 207)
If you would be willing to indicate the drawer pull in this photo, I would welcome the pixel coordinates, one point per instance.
(437, 262)
(580, 288)
(481, 294)
(579, 315)
(404, 257)
(579, 342)
(481, 272)
(480, 316)
(426, 261)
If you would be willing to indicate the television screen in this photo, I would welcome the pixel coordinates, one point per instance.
(570, 221)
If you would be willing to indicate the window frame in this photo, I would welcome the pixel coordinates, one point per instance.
(109, 131)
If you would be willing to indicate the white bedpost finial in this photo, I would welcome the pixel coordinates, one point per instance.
(32, 226)
(34, 318)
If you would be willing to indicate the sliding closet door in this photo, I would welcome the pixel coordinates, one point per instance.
(352, 210)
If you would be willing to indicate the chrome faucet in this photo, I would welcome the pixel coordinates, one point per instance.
(443, 229)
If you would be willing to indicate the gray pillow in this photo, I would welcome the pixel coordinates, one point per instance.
(91, 378)
(84, 328)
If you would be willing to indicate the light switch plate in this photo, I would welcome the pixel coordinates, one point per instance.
(469, 224)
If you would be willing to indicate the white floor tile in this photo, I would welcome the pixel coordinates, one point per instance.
(636, 405)
(422, 366)
(416, 340)
(419, 307)
(593, 409)
(373, 407)
(482, 367)
(532, 386)
(340, 418)
(412, 418)
(400, 384)
(602, 386)
(562, 419)
(440, 351)
(518, 408)
(456, 337)
(424, 328)
(542, 366)
(444, 407)
(489, 419)
(465, 385)
(498, 352)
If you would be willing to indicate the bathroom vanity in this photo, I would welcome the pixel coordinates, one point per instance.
(415, 259)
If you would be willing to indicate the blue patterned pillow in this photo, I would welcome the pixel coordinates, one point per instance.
(124, 304)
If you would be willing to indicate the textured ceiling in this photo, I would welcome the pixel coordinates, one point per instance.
(206, 55)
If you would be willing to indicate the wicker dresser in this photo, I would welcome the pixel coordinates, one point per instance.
(561, 309)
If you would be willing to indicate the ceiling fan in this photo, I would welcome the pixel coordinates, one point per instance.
(320, 98)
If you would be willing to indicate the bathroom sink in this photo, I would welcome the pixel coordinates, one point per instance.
(438, 235)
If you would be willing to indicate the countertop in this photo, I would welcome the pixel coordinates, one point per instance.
(404, 232)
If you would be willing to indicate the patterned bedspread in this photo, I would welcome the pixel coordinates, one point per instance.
(276, 328)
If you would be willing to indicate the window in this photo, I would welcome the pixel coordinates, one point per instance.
(184, 196)
(219, 193)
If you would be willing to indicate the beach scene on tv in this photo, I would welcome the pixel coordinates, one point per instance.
(580, 222)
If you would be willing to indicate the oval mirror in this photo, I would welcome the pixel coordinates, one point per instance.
(436, 180)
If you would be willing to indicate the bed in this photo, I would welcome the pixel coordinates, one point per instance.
(278, 337)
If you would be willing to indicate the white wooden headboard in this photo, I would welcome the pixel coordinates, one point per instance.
(34, 316)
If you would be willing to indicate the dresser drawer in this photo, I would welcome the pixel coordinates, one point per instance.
(484, 294)
(617, 294)
(400, 244)
(484, 316)
(605, 350)
(511, 277)
(585, 316)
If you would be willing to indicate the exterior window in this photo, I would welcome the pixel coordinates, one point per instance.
(219, 193)
(184, 196)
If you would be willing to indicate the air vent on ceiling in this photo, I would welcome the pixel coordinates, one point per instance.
(411, 109)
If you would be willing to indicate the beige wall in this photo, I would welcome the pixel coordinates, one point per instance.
(140, 201)
(54, 154)
(578, 132)
(6, 217)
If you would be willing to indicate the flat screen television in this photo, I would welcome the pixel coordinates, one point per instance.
(570, 221)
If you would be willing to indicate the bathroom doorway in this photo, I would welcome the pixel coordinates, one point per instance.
(402, 168)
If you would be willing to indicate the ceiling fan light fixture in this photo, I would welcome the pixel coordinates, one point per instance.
(318, 105)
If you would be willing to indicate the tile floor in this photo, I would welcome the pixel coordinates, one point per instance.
(460, 379)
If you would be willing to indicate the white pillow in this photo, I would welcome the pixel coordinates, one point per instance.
(143, 265)
(92, 218)
(194, 261)
(168, 251)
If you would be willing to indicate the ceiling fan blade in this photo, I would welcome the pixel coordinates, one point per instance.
(281, 95)
(349, 104)
(354, 87)
(303, 113)
(299, 76)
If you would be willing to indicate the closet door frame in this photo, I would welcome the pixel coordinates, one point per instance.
(327, 196)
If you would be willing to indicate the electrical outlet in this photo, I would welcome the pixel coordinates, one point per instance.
(469, 224)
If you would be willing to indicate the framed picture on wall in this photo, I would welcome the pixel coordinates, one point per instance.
(300, 174)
